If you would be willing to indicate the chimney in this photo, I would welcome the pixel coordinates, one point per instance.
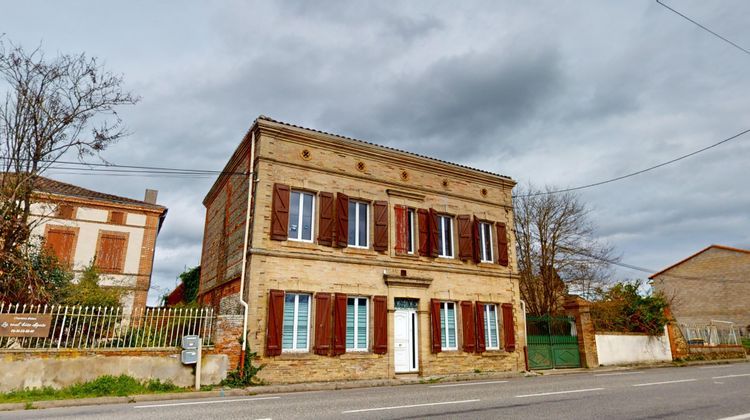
(151, 196)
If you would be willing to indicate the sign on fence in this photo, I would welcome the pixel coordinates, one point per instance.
(25, 325)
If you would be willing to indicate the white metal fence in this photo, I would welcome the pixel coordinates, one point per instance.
(714, 333)
(110, 328)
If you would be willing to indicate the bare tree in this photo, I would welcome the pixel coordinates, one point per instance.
(51, 107)
(556, 247)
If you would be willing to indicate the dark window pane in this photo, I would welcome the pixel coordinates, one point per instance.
(352, 222)
(307, 211)
(294, 215)
(363, 234)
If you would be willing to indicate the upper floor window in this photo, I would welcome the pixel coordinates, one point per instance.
(356, 324)
(65, 211)
(110, 253)
(448, 326)
(410, 226)
(445, 236)
(117, 217)
(485, 242)
(490, 327)
(295, 334)
(301, 208)
(61, 242)
(358, 224)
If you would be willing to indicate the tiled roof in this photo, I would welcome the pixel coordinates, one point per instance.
(263, 117)
(51, 186)
(726, 248)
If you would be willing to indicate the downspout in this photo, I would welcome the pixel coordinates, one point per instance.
(250, 183)
(525, 337)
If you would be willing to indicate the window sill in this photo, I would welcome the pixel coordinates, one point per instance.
(450, 353)
(360, 251)
(494, 353)
(293, 355)
(353, 355)
(414, 257)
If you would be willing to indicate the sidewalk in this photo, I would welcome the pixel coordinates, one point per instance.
(330, 386)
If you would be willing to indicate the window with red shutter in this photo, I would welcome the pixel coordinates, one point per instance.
(380, 314)
(434, 233)
(435, 322)
(280, 212)
(325, 219)
(341, 227)
(502, 244)
(65, 211)
(481, 341)
(509, 330)
(339, 324)
(110, 253)
(464, 237)
(323, 315)
(117, 217)
(424, 233)
(475, 241)
(380, 210)
(274, 323)
(400, 215)
(61, 242)
(469, 329)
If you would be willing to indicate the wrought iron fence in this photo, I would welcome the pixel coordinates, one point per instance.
(109, 328)
(714, 333)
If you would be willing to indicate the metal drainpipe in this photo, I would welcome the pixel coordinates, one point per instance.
(525, 337)
(244, 304)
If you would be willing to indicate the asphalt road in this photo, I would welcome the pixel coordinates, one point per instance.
(700, 392)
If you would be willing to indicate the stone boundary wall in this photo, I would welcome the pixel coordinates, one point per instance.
(618, 348)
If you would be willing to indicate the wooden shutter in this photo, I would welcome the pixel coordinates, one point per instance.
(481, 339)
(322, 323)
(435, 320)
(465, 251)
(341, 227)
(339, 324)
(110, 255)
(325, 219)
(509, 329)
(469, 329)
(424, 232)
(380, 314)
(434, 232)
(380, 210)
(275, 322)
(280, 212)
(61, 242)
(502, 244)
(476, 245)
(402, 224)
(117, 217)
(65, 211)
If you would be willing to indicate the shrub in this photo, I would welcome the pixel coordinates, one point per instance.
(622, 309)
(244, 375)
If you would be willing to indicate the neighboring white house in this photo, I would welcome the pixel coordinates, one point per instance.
(118, 234)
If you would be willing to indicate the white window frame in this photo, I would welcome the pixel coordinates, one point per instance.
(355, 218)
(411, 229)
(441, 227)
(356, 319)
(486, 327)
(301, 216)
(295, 325)
(444, 306)
(484, 241)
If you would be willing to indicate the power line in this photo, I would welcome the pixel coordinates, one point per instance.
(704, 28)
(632, 174)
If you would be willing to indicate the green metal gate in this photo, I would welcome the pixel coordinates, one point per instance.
(552, 342)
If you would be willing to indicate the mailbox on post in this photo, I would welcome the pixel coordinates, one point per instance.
(191, 355)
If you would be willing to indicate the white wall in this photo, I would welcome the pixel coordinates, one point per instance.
(620, 349)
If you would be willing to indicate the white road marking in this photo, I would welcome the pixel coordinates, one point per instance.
(468, 383)
(206, 402)
(739, 417)
(617, 373)
(715, 367)
(559, 392)
(666, 382)
(408, 406)
(731, 376)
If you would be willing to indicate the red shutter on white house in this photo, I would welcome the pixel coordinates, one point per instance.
(435, 322)
(481, 339)
(423, 217)
(339, 324)
(469, 328)
(325, 219)
(502, 244)
(476, 246)
(434, 232)
(380, 314)
(323, 317)
(380, 210)
(341, 227)
(280, 212)
(402, 223)
(274, 323)
(509, 330)
(464, 237)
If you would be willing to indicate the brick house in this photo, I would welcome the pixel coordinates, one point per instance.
(712, 284)
(363, 261)
(117, 233)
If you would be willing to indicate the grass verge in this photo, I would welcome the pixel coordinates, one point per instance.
(104, 386)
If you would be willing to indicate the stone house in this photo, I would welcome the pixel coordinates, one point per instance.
(363, 261)
(118, 234)
(712, 284)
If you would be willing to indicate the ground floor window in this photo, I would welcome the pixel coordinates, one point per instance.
(356, 324)
(490, 327)
(448, 326)
(296, 326)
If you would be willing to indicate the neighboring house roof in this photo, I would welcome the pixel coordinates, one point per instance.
(263, 117)
(51, 186)
(726, 248)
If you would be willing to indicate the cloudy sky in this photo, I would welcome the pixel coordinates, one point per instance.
(557, 93)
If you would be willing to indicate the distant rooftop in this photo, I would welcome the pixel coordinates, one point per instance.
(52, 186)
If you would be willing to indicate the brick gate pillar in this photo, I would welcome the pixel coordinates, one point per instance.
(580, 309)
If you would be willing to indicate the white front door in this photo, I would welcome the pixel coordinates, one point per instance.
(405, 353)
